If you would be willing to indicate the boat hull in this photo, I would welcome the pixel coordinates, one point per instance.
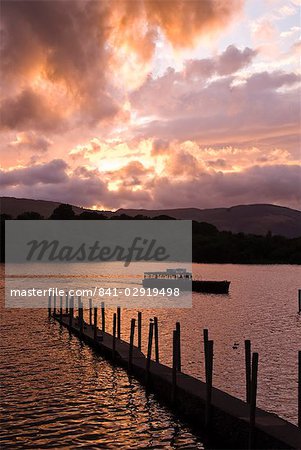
(213, 287)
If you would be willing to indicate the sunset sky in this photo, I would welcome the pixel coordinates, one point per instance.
(151, 103)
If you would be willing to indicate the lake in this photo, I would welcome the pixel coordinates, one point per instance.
(56, 392)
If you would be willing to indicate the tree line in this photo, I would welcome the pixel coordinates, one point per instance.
(209, 244)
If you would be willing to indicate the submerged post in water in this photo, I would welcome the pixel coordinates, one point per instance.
(61, 307)
(253, 399)
(131, 343)
(118, 322)
(139, 329)
(209, 376)
(156, 339)
(95, 323)
(49, 306)
(248, 368)
(67, 302)
(103, 317)
(149, 349)
(90, 311)
(299, 389)
(179, 363)
(114, 336)
(175, 337)
(205, 338)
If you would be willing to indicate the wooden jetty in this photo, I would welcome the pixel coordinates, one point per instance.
(228, 422)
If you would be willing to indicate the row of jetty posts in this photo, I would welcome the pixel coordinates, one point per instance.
(251, 358)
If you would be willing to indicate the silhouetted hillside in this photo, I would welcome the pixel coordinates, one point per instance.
(250, 219)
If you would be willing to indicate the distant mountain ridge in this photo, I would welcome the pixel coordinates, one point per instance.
(253, 219)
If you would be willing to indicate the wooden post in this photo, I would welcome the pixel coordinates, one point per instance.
(54, 304)
(71, 311)
(253, 399)
(81, 319)
(118, 322)
(67, 306)
(114, 336)
(299, 389)
(174, 365)
(299, 300)
(248, 368)
(139, 329)
(209, 376)
(179, 364)
(103, 317)
(156, 330)
(149, 349)
(131, 343)
(95, 323)
(78, 308)
(90, 311)
(205, 338)
(49, 306)
(61, 308)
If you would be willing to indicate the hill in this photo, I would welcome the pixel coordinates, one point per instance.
(253, 219)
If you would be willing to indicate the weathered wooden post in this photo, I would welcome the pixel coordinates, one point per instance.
(139, 329)
(174, 365)
(205, 338)
(118, 322)
(253, 399)
(299, 389)
(156, 333)
(179, 364)
(78, 308)
(61, 308)
(49, 306)
(81, 319)
(299, 300)
(67, 306)
(54, 304)
(71, 311)
(114, 336)
(103, 317)
(149, 349)
(209, 376)
(95, 324)
(248, 368)
(90, 311)
(131, 343)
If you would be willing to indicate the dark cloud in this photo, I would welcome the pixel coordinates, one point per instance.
(49, 173)
(279, 184)
(227, 63)
(159, 147)
(28, 140)
(29, 110)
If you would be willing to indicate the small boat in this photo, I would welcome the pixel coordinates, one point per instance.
(180, 278)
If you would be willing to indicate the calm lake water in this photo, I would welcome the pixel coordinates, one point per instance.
(56, 392)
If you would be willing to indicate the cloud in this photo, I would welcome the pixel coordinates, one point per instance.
(219, 111)
(59, 58)
(31, 141)
(29, 110)
(278, 184)
(159, 147)
(49, 173)
(271, 184)
(227, 63)
(85, 151)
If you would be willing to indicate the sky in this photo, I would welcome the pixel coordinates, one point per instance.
(151, 103)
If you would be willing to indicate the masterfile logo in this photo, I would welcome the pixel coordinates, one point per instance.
(130, 264)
